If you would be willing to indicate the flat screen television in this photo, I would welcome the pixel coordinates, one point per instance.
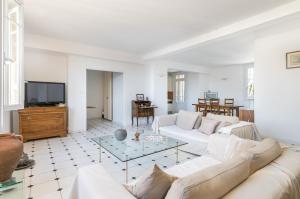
(44, 93)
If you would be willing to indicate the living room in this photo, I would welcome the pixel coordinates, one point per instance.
(174, 55)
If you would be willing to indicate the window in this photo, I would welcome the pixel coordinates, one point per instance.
(250, 83)
(12, 69)
(179, 88)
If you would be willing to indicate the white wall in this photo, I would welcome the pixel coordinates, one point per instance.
(118, 97)
(40, 65)
(230, 82)
(195, 86)
(159, 80)
(135, 80)
(277, 92)
(95, 93)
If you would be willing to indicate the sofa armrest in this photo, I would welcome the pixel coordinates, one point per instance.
(246, 130)
(163, 120)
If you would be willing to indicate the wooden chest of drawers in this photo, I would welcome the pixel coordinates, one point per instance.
(43, 122)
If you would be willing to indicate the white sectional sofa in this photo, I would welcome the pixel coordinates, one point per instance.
(274, 172)
(168, 125)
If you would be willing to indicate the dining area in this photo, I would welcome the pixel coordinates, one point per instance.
(214, 105)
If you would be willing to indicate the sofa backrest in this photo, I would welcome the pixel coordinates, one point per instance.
(212, 182)
(264, 152)
(223, 118)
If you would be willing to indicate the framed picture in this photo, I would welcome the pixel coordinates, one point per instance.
(140, 97)
(293, 60)
(210, 95)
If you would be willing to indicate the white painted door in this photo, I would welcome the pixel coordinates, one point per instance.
(108, 95)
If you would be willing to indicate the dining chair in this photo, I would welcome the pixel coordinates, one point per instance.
(214, 106)
(228, 104)
(202, 106)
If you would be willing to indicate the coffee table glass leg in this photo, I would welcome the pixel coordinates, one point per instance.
(100, 153)
(126, 164)
(177, 154)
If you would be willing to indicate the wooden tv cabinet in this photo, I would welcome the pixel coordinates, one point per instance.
(43, 122)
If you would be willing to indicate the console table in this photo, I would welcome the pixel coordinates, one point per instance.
(141, 108)
(42, 122)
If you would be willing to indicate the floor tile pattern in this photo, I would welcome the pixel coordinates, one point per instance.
(57, 161)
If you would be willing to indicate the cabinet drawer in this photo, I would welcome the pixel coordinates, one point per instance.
(40, 116)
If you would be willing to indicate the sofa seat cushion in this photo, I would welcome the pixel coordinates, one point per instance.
(185, 135)
(192, 166)
(186, 120)
(212, 182)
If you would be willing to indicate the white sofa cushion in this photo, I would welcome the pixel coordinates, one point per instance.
(186, 120)
(94, 182)
(280, 179)
(237, 145)
(217, 145)
(212, 182)
(185, 135)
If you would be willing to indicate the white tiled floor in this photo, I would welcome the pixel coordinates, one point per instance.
(57, 161)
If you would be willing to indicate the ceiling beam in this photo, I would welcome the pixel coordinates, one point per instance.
(256, 21)
(76, 48)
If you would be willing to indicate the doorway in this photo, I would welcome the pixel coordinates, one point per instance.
(108, 97)
(104, 95)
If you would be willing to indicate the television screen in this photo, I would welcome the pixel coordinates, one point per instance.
(44, 93)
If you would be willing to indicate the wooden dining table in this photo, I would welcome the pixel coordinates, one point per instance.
(234, 108)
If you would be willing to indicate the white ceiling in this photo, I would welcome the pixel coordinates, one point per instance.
(140, 26)
(229, 51)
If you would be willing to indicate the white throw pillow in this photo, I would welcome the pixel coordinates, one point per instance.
(208, 126)
(217, 144)
(186, 120)
(236, 146)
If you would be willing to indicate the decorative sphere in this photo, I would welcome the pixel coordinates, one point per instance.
(120, 134)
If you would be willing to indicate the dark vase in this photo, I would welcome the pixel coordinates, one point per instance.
(120, 134)
(11, 149)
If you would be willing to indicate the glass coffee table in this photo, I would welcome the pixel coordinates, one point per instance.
(129, 149)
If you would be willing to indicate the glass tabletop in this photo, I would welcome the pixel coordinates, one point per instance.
(129, 149)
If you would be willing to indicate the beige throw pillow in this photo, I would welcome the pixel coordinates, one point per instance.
(264, 153)
(154, 184)
(213, 182)
(208, 126)
(186, 120)
(198, 121)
